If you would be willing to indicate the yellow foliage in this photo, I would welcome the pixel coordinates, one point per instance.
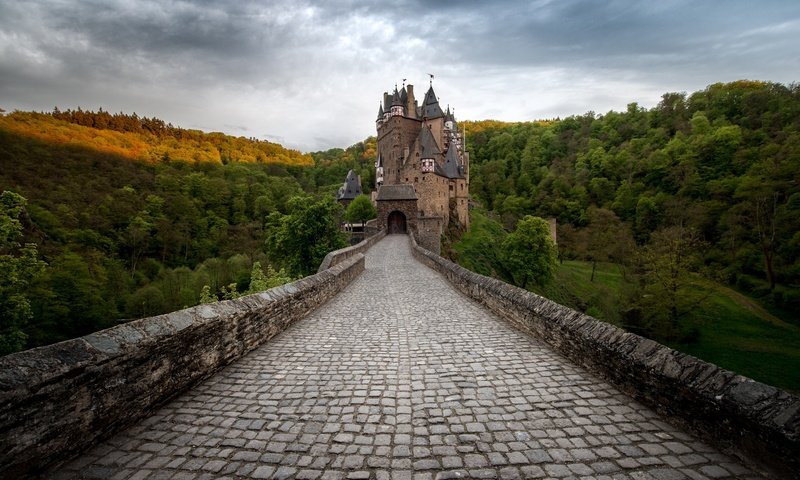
(183, 146)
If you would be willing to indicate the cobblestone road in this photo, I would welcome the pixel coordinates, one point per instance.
(401, 377)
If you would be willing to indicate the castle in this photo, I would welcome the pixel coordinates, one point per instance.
(422, 168)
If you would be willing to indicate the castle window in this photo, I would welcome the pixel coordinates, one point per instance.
(427, 164)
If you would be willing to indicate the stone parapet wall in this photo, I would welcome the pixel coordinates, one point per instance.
(748, 418)
(59, 399)
(338, 256)
(429, 233)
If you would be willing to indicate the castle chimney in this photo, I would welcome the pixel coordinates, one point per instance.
(411, 104)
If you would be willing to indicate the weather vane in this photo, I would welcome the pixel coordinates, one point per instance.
(431, 75)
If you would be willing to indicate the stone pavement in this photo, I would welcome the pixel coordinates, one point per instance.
(401, 377)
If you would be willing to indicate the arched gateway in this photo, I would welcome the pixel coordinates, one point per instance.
(397, 209)
(396, 222)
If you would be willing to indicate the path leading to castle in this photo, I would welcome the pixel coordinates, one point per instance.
(402, 377)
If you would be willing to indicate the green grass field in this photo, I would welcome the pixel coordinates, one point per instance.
(735, 333)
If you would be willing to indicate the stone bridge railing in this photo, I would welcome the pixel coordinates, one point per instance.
(337, 256)
(58, 400)
(740, 415)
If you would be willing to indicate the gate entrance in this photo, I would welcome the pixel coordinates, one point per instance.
(396, 223)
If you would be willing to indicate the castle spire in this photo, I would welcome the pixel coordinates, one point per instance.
(430, 107)
(397, 103)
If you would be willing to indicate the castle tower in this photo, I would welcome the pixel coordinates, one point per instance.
(350, 189)
(421, 168)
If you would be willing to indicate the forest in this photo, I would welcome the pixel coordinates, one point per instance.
(116, 216)
(659, 211)
(132, 217)
(719, 169)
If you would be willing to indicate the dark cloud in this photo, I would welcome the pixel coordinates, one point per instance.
(311, 72)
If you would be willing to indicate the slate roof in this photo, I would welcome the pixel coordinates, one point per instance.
(351, 187)
(451, 117)
(452, 166)
(430, 149)
(380, 112)
(396, 98)
(397, 192)
(430, 107)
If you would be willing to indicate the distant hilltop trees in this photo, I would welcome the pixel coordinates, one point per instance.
(120, 122)
(146, 139)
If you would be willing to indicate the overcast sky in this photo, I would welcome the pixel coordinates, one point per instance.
(310, 74)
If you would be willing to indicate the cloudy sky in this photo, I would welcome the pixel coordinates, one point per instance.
(309, 73)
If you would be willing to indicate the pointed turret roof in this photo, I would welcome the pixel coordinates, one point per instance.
(430, 149)
(430, 107)
(396, 98)
(403, 95)
(452, 164)
(380, 112)
(351, 187)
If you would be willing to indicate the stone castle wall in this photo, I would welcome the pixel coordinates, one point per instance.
(429, 233)
(407, 207)
(59, 399)
(432, 193)
(748, 418)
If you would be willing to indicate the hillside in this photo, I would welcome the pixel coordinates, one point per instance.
(722, 164)
(143, 139)
(135, 223)
(695, 203)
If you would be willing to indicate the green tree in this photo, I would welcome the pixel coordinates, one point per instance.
(260, 281)
(360, 210)
(606, 239)
(304, 236)
(529, 254)
(206, 296)
(668, 261)
(19, 265)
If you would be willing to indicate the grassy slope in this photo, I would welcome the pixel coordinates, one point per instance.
(733, 334)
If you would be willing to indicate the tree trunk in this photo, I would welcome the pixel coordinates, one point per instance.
(769, 268)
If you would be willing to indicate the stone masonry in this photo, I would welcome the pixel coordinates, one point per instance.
(402, 377)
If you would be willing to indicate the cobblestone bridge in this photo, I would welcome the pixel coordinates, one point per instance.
(401, 377)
